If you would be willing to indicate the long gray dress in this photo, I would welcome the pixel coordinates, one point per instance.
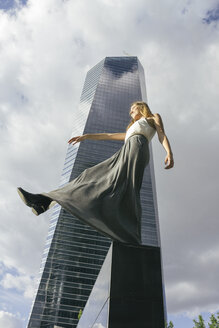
(107, 195)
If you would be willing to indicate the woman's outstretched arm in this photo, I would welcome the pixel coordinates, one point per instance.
(98, 136)
(164, 141)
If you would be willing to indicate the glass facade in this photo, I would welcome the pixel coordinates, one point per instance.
(128, 291)
(97, 307)
(74, 253)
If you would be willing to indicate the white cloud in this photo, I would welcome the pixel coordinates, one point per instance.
(9, 320)
(45, 52)
(22, 284)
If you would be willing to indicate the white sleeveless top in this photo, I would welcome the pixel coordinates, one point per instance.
(141, 126)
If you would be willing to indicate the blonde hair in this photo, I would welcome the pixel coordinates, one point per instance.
(144, 110)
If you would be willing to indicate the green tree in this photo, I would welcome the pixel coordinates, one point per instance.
(170, 325)
(200, 323)
(79, 314)
(214, 322)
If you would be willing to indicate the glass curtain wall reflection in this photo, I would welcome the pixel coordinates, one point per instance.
(74, 252)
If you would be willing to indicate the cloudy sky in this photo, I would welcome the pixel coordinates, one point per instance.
(46, 48)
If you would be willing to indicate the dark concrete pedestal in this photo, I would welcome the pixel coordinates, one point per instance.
(128, 292)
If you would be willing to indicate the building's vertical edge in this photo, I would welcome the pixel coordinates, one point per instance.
(151, 163)
(158, 228)
(96, 310)
(142, 82)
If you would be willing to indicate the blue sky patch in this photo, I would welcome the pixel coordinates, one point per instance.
(211, 15)
(10, 4)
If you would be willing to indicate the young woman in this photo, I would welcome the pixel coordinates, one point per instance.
(107, 195)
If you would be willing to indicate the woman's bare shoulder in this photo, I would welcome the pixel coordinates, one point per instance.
(157, 116)
(158, 120)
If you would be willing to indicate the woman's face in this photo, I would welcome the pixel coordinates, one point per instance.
(135, 113)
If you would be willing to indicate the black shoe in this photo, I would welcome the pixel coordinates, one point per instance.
(38, 202)
(37, 209)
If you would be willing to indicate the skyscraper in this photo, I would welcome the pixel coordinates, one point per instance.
(74, 252)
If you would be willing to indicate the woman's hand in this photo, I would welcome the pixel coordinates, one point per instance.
(169, 161)
(74, 140)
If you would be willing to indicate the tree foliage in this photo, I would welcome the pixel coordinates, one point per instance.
(169, 325)
(213, 322)
(80, 314)
(200, 323)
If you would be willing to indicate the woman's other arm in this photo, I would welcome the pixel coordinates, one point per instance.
(163, 140)
(98, 136)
